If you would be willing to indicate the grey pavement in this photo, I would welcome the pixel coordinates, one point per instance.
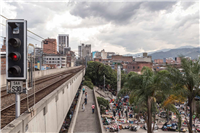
(86, 121)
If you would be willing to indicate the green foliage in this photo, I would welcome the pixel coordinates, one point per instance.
(88, 84)
(186, 82)
(123, 92)
(102, 101)
(145, 88)
(96, 71)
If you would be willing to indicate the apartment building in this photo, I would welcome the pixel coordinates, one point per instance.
(55, 60)
(49, 46)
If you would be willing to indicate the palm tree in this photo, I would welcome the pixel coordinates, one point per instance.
(189, 79)
(169, 105)
(146, 86)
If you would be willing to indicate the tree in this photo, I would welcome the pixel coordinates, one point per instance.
(103, 103)
(189, 79)
(96, 71)
(169, 105)
(88, 83)
(146, 86)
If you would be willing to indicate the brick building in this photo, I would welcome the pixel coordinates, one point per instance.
(122, 58)
(128, 64)
(158, 61)
(50, 46)
(137, 66)
(71, 59)
(170, 60)
(3, 57)
(3, 63)
(178, 60)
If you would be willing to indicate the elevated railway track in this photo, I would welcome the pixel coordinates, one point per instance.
(43, 87)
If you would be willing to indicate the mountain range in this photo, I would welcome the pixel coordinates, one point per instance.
(190, 51)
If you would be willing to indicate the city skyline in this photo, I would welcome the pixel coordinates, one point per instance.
(126, 28)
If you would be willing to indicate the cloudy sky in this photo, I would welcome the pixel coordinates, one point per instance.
(122, 27)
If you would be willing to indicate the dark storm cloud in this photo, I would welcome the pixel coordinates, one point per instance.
(113, 12)
(157, 6)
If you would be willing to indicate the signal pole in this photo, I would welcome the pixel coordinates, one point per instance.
(17, 105)
(118, 78)
(16, 58)
(104, 82)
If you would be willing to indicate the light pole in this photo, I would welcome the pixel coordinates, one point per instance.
(104, 82)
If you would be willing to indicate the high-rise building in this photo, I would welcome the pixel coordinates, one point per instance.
(84, 51)
(49, 46)
(63, 41)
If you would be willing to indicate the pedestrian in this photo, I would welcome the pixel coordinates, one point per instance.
(86, 101)
(114, 113)
(93, 106)
(122, 112)
(83, 90)
(126, 112)
(119, 114)
(86, 94)
(72, 113)
(70, 117)
(83, 107)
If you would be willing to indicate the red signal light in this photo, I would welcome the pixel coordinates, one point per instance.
(14, 56)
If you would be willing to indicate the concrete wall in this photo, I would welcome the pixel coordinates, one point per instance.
(73, 121)
(48, 114)
(98, 111)
(38, 74)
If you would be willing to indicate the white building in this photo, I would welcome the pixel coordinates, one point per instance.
(84, 51)
(58, 60)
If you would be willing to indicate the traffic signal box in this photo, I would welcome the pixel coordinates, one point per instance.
(16, 50)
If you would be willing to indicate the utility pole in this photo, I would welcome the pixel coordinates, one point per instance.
(118, 78)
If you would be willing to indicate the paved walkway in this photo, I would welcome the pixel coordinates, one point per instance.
(86, 121)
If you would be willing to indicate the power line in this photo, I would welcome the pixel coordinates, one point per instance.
(4, 17)
(27, 35)
(34, 38)
(27, 29)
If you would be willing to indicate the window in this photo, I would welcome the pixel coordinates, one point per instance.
(49, 58)
(138, 67)
(49, 61)
(58, 58)
(52, 61)
(52, 58)
(133, 67)
(46, 58)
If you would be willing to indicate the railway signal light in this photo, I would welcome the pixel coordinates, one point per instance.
(16, 49)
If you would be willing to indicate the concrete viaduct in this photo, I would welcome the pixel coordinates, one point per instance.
(49, 113)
